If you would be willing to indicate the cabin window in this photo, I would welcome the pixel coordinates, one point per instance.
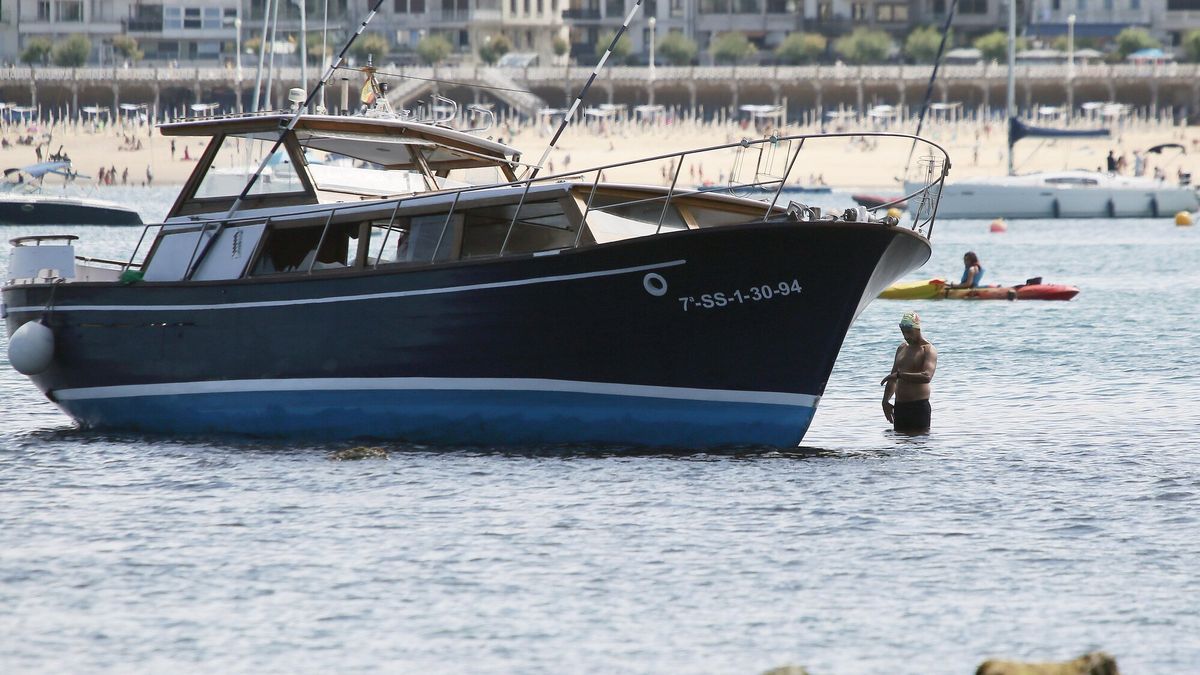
(541, 226)
(294, 249)
(237, 159)
(416, 240)
(613, 218)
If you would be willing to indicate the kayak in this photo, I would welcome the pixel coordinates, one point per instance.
(935, 289)
(914, 290)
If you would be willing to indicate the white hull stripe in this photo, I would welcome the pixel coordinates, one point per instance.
(352, 298)
(437, 384)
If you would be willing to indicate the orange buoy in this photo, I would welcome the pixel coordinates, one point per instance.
(998, 225)
(1183, 219)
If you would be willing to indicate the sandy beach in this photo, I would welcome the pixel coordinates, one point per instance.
(139, 153)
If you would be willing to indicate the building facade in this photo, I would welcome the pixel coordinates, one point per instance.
(213, 30)
(189, 30)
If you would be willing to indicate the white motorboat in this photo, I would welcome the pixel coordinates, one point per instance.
(23, 201)
(1064, 194)
(1058, 194)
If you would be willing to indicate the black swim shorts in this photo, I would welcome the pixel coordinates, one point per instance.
(911, 416)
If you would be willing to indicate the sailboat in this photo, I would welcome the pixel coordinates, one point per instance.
(1057, 194)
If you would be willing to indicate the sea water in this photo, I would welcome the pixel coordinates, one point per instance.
(1053, 509)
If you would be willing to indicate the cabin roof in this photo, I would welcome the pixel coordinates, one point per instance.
(382, 141)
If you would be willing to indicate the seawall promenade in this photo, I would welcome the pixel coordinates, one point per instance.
(1151, 87)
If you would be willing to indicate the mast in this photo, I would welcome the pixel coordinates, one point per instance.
(1011, 98)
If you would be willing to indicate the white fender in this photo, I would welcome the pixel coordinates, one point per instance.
(31, 348)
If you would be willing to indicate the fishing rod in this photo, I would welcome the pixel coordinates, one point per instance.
(300, 110)
(937, 62)
(583, 92)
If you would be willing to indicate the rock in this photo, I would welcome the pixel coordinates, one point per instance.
(1095, 663)
(359, 452)
(787, 670)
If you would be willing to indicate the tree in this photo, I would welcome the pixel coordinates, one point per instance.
(127, 47)
(1191, 45)
(561, 46)
(494, 47)
(731, 48)
(37, 50)
(1060, 43)
(620, 51)
(1133, 39)
(676, 49)
(314, 47)
(994, 45)
(864, 46)
(434, 49)
(922, 44)
(370, 44)
(72, 52)
(801, 48)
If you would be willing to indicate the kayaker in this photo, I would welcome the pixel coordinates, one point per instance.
(912, 370)
(972, 272)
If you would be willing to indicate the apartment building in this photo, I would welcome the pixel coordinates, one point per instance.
(188, 30)
(530, 25)
(1102, 19)
(768, 22)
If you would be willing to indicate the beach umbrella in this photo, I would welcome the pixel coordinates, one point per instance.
(204, 108)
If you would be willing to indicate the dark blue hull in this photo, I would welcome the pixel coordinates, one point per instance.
(42, 211)
(691, 339)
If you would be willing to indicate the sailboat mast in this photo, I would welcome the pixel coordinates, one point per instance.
(1011, 98)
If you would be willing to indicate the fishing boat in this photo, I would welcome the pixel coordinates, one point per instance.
(937, 289)
(24, 201)
(429, 286)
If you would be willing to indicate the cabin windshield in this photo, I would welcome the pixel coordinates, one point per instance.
(380, 165)
(236, 160)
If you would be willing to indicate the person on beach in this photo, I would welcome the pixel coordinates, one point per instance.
(972, 272)
(912, 370)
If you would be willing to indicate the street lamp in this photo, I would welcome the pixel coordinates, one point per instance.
(1070, 67)
(237, 25)
(303, 45)
(1071, 46)
(653, 21)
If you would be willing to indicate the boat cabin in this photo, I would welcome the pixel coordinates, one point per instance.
(329, 159)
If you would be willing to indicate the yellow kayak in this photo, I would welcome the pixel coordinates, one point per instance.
(914, 290)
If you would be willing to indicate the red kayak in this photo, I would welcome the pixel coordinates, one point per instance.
(935, 289)
(1022, 292)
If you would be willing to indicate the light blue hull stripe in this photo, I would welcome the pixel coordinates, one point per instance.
(462, 417)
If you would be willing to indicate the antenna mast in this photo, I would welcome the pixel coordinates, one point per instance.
(583, 92)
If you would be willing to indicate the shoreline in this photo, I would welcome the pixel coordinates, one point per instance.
(139, 156)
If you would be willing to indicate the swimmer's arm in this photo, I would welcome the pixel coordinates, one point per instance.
(925, 375)
(891, 377)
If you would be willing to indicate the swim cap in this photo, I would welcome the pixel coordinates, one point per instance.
(910, 320)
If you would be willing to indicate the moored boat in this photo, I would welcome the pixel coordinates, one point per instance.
(398, 295)
(25, 202)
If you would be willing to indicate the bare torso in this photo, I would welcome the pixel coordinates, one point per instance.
(912, 359)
